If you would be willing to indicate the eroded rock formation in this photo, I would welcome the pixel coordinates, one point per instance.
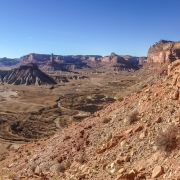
(70, 62)
(56, 62)
(26, 74)
(121, 62)
(164, 51)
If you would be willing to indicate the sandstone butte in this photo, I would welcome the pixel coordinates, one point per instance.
(116, 150)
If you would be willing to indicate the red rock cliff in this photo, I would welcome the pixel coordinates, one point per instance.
(164, 51)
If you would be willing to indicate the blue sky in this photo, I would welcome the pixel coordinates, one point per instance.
(71, 27)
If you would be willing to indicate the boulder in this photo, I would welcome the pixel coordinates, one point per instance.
(158, 120)
(175, 96)
(157, 171)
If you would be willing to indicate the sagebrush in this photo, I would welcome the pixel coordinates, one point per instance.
(133, 117)
(168, 140)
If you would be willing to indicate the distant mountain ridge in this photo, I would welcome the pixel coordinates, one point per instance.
(71, 62)
(51, 62)
(8, 61)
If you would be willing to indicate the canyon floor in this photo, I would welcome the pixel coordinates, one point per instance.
(32, 112)
(84, 128)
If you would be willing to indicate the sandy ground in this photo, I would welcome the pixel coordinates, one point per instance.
(25, 98)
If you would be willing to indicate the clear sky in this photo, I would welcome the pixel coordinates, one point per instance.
(71, 27)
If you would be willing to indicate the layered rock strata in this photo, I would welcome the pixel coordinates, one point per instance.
(27, 74)
(164, 52)
(70, 62)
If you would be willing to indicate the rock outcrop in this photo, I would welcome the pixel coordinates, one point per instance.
(174, 74)
(27, 74)
(113, 59)
(164, 51)
(123, 62)
(174, 71)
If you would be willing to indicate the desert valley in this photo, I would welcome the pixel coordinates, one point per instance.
(91, 117)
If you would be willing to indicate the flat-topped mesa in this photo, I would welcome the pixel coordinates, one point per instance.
(51, 62)
(164, 52)
(122, 62)
(113, 59)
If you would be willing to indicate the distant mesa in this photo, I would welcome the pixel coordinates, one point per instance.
(8, 62)
(164, 52)
(27, 74)
(53, 62)
(123, 62)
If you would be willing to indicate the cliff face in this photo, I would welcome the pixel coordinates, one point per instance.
(164, 51)
(123, 62)
(57, 62)
(45, 58)
(174, 73)
(70, 62)
(113, 59)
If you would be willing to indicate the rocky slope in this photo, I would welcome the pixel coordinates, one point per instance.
(137, 138)
(27, 74)
(164, 51)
